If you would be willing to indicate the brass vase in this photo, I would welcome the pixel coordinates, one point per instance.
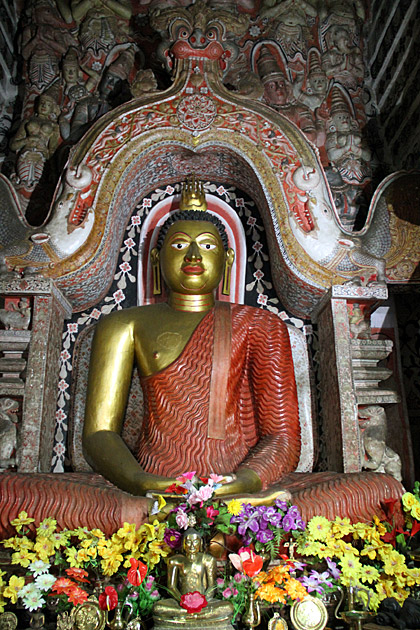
(252, 615)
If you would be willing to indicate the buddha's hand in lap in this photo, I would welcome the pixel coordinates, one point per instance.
(245, 481)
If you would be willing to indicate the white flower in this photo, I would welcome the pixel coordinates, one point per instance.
(33, 601)
(191, 520)
(45, 581)
(39, 567)
(28, 589)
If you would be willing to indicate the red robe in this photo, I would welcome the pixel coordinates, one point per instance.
(261, 418)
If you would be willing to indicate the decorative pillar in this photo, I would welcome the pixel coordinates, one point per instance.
(30, 363)
(348, 370)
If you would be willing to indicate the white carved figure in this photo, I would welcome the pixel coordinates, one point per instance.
(16, 317)
(359, 324)
(374, 452)
(63, 236)
(8, 432)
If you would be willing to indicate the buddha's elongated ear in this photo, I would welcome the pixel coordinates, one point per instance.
(154, 259)
(230, 257)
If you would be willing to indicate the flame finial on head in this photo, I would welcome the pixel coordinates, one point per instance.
(192, 195)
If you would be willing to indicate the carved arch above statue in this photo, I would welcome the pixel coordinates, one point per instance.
(197, 126)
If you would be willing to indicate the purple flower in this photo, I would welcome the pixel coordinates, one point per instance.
(310, 582)
(289, 522)
(276, 520)
(282, 505)
(134, 595)
(172, 537)
(332, 566)
(293, 511)
(264, 535)
(148, 582)
(300, 524)
(155, 594)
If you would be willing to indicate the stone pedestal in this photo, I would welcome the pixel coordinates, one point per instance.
(29, 366)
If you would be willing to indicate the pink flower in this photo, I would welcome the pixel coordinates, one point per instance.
(238, 577)
(186, 476)
(211, 513)
(227, 593)
(193, 602)
(181, 519)
(216, 478)
(220, 581)
(246, 561)
(205, 493)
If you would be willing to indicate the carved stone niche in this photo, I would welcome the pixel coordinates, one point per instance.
(29, 363)
(350, 369)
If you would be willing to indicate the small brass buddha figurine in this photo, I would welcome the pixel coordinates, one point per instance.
(193, 570)
(217, 378)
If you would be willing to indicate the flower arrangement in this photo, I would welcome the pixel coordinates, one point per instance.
(238, 588)
(267, 526)
(69, 563)
(364, 557)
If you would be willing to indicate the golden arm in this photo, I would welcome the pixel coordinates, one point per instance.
(109, 381)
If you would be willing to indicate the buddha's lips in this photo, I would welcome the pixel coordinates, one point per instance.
(193, 270)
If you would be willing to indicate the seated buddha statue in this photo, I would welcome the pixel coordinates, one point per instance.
(219, 394)
(191, 571)
(217, 378)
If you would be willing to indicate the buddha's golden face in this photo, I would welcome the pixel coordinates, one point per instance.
(192, 257)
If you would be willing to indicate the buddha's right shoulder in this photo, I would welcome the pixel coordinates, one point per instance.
(128, 317)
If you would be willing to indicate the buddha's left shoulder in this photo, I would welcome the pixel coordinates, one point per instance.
(256, 316)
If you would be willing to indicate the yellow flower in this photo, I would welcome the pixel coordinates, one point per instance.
(394, 563)
(341, 527)
(369, 551)
(98, 533)
(71, 555)
(46, 527)
(380, 527)
(408, 500)
(44, 548)
(350, 568)
(21, 520)
(82, 556)
(415, 511)
(234, 507)
(81, 533)
(319, 528)
(2, 604)
(413, 576)
(60, 539)
(295, 589)
(11, 591)
(369, 574)
(23, 557)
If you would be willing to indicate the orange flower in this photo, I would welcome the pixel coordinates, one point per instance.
(62, 585)
(78, 574)
(76, 595)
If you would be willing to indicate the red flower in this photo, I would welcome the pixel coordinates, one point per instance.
(78, 574)
(415, 528)
(193, 602)
(176, 489)
(76, 595)
(252, 566)
(137, 573)
(109, 599)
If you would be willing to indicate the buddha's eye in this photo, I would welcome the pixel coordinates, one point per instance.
(179, 245)
(207, 246)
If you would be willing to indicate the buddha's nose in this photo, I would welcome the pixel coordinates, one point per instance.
(193, 253)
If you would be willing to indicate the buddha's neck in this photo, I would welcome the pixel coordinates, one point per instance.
(191, 303)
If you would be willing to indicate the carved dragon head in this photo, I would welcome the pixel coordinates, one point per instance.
(198, 32)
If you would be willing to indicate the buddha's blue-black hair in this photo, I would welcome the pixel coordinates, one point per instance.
(192, 215)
